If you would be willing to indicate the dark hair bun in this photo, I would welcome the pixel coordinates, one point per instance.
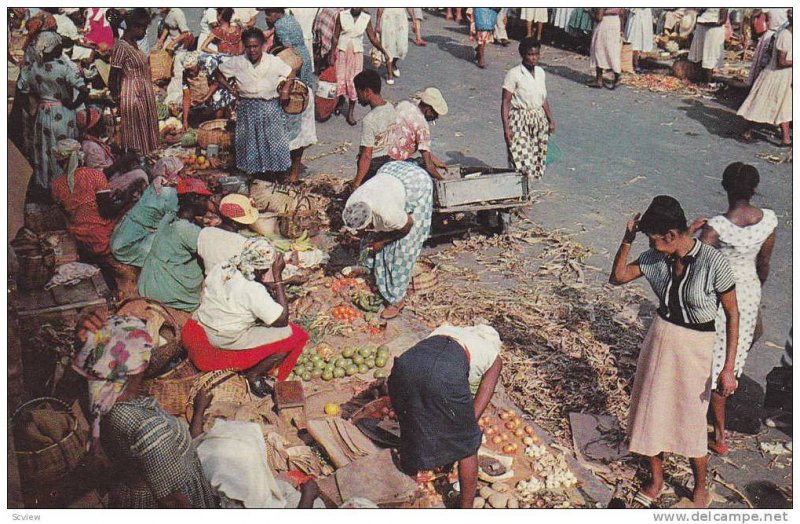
(664, 214)
(740, 180)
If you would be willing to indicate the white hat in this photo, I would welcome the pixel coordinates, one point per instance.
(433, 97)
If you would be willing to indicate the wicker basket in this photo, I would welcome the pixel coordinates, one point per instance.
(226, 385)
(627, 58)
(161, 324)
(160, 65)
(298, 98)
(53, 462)
(424, 279)
(276, 198)
(214, 132)
(303, 218)
(35, 268)
(173, 387)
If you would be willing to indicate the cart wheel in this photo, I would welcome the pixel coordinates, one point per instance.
(496, 222)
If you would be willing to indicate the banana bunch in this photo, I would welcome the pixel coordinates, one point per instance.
(302, 243)
(366, 301)
(281, 244)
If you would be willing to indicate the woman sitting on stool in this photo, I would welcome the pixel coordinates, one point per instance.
(239, 325)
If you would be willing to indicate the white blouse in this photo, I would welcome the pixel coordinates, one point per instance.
(528, 90)
(352, 31)
(256, 80)
(386, 197)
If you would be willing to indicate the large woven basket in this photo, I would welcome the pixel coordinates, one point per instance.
(226, 385)
(303, 218)
(161, 324)
(424, 279)
(173, 387)
(53, 462)
(215, 132)
(298, 98)
(160, 65)
(627, 58)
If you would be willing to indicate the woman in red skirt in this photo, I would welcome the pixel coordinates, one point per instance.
(243, 319)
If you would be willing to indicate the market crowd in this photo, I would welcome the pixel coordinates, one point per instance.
(99, 131)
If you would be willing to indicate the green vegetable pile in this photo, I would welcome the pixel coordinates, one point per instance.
(324, 364)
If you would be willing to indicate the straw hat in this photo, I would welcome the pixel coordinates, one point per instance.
(239, 209)
(433, 97)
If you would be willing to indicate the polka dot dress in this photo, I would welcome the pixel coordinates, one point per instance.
(741, 245)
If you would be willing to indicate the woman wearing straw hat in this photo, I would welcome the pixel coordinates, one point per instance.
(222, 241)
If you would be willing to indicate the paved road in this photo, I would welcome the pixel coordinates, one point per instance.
(620, 149)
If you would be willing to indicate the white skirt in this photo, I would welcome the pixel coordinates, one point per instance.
(639, 30)
(534, 14)
(708, 46)
(308, 128)
(770, 99)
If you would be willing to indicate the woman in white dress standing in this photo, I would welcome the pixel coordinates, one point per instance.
(534, 15)
(745, 234)
(393, 28)
(639, 33)
(770, 99)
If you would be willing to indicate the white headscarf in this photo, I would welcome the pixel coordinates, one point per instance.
(45, 43)
(71, 149)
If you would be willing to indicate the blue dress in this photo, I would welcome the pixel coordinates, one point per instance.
(133, 236)
(52, 82)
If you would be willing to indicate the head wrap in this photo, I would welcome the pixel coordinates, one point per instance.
(191, 59)
(256, 254)
(168, 167)
(357, 215)
(45, 43)
(68, 148)
(88, 118)
(110, 356)
(166, 170)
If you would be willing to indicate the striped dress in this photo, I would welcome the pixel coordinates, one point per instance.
(137, 106)
(154, 456)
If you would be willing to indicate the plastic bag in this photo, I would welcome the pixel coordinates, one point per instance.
(554, 154)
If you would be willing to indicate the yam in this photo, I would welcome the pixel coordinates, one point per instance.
(35, 438)
(498, 500)
(486, 492)
(500, 487)
(478, 503)
(513, 503)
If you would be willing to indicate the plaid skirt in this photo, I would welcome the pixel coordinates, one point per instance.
(393, 265)
(529, 135)
(262, 144)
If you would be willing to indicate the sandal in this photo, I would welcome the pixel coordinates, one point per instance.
(260, 387)
(392, 311)
(645, 500)
(594, 84)
(717, 449)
